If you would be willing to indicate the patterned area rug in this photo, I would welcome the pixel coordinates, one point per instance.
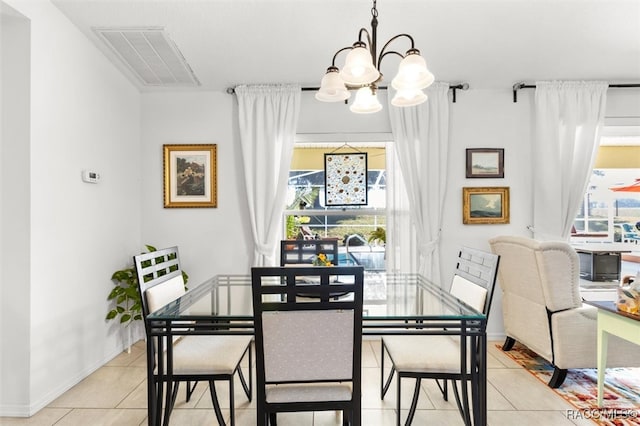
(580, 389)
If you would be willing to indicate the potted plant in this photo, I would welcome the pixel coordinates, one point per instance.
(127, 296)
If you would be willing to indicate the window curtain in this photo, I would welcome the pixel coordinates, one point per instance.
(267, 117)
(568, 122)
(400, 247)
(421, 136)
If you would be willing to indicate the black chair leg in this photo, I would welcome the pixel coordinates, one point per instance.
(398, 401)
(273, 419)
(247, 387)
(508, 344)
(444, 389)
(414, 402)
(385, 387)
(559, 374)
(216, 404)
(190, 389)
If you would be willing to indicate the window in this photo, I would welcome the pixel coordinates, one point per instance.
(357, 228)
(607, 215)
(602, 207)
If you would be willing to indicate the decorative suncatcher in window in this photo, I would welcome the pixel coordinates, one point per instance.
(345, 179)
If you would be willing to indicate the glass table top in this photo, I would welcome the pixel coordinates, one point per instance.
(386, 296)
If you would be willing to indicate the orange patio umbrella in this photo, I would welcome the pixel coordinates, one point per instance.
(634, 187)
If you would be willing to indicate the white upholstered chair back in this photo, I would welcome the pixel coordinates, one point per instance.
(308, 345)
(161, 294)
(469, 292)
(560, 275)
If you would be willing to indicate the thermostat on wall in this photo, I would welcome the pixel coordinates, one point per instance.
(90, 176)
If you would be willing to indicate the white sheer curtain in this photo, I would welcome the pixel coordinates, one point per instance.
(568, 121)
(400, 248)
(267, 117)
(421, 136)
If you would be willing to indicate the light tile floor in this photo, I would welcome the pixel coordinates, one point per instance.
(116, 395)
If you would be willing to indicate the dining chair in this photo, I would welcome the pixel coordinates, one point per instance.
(299, 252)
(194, 357)
(441, 357)
(308, 343)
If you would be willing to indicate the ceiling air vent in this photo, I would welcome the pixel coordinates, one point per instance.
(150, 54)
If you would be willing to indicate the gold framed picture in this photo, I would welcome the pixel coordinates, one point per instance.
(190, 175)
(485, 205)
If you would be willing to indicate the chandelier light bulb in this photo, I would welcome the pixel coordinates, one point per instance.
(366, 102)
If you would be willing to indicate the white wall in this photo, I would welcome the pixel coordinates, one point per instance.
(83, 114)
(487, 119)
(210, 240)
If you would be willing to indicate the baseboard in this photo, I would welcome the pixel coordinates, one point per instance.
(31, 409)
(14, 411)
(496, 337)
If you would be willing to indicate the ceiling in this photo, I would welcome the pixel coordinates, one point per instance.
(487, 43)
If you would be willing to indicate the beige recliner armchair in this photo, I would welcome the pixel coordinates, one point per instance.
(543, 310)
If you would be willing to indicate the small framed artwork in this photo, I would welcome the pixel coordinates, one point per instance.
(345, 179)
(485, 205)
(190, 175)
(485, 162)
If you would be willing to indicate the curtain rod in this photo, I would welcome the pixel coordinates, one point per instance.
(453, 87)
(521, 85)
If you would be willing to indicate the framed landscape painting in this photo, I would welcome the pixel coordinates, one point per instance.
(485, 162)
(485, 205)
(190, 175)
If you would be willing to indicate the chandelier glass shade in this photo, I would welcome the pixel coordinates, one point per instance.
(361, 72)
(408, 97)
(358, 68)
(333, 86)
(412, 73)
(366, 102)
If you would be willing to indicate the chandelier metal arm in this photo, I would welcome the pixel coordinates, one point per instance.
(368, 42)
(391, 52)
(383, 53)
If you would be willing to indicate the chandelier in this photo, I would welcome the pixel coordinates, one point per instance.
(361, 72)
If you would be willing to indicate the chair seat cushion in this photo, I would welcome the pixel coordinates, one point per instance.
(308, 392)
(208, 354)
(424, 354)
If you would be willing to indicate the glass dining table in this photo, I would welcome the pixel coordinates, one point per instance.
(406, 304)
